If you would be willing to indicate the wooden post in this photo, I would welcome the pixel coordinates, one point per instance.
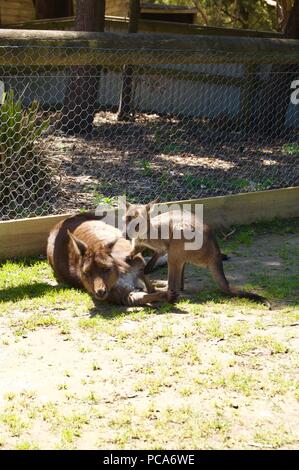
(125, 111)
(248, 97)
(82, 89)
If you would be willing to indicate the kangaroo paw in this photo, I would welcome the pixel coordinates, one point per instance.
(172, 296)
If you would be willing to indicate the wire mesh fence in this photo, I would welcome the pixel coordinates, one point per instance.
(74, 136)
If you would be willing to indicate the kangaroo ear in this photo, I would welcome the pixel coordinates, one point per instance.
(121, 253)
(111, 244)
(128, 205)
(122, 266)
(79, 246)
(151, 204)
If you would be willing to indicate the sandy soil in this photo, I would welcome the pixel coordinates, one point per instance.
(205, 374)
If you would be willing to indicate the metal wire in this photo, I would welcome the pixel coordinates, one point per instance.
(184, 131)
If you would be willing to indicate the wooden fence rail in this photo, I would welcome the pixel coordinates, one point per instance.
(117, 24)
(29, 236)
(67, 48)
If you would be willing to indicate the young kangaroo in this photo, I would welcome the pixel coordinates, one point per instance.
(208, 256)
(85, 252)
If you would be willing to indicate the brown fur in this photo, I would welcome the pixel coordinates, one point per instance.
(85, 252)
(208, 256)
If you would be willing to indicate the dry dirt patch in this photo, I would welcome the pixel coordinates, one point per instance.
(208, 373)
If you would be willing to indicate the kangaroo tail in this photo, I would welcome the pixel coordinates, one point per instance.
(217, 272)
(249, 295)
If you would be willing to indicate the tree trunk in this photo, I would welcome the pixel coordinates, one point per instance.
(82, 88)
(278, 88)
(126, 108)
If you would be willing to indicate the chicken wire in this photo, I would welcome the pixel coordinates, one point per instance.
(189, 131)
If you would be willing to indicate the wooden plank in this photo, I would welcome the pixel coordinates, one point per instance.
(168, 10)
(245, 208)
(29, 236)
(149, 26)
(26, 237)
(25, 47)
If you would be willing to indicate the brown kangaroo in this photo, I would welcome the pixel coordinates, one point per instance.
(208, 256)
(85, 252)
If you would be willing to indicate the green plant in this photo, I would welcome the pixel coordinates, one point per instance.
(239, 183)
(100, 199)
(24, 176)
(193, 182)
(291, 149)
(147, 167)
(172, 149)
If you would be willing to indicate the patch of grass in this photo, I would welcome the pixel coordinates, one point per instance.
(152, 384)
(98, 324)
(278, 383)
(33, 322)
(93, 398)
(10, 396)
(289, 255)
(26, 445)
(172, 149)
(267, 343)
(244, 383)
(213, 328)
(48, 411)
(96, 366)
(193, 182)
(239, 183)
(274, 438)
(100, 199)
(278, 287)
(188, 351)
(239, 329)
(267, 183)
(291, 148)
(245, 234)
(147, 167)
(14, 423)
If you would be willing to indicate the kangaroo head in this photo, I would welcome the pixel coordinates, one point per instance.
(137, 219)
(100, 266)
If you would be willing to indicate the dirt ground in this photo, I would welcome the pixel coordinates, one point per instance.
(164, 157)
(207, 373)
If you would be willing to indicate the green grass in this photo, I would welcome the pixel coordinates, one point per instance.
(246, 234)
(146, 167)
(199, 374)
(279, 286)
(291, 149)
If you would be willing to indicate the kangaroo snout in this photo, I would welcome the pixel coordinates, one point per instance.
(101, 293)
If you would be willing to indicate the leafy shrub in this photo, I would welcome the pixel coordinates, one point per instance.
(24, 177)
